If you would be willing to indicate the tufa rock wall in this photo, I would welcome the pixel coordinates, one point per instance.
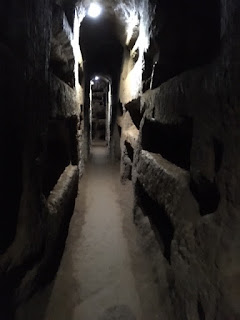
(36, 206)
(185, 165)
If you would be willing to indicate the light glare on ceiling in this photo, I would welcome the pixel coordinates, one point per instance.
(94, 10)
(96, 78)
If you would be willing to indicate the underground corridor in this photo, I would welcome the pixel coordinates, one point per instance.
(120, 160)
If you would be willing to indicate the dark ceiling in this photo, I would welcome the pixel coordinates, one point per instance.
(100, 46)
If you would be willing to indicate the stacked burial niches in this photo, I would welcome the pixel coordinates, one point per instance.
(180, 147)
(99, 102)
(41, 145)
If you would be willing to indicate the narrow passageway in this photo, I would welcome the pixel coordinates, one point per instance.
(98, 256)
(103, 273)
(155, 234)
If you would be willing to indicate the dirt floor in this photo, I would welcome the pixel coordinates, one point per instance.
(104, 273)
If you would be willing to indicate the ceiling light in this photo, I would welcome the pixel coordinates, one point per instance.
(94, 10)
(96, 78)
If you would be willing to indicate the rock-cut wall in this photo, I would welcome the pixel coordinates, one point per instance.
(185, 164)
(40, 108)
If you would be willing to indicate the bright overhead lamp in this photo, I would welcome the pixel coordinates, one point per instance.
(97, 78)
(94, 10)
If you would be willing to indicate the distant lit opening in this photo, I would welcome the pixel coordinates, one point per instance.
(100, 108)
(94, 10)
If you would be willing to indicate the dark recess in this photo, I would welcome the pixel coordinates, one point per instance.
(172, 141)
(188, 36)
(11, 136)
(119, 130)
(160, 221)
(133, 108)
(201, 312)
(147, 71)
(69, 8)
(101, 114)
(72, 124)
(63, 71)
(11, 188)
(58, 153)
(218, 151)
(130, 150)
(206, 193)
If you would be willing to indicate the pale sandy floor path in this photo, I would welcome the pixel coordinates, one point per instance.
(103, 274)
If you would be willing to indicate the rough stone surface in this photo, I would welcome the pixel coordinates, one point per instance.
(25, 123)
(187, 56)
(168, 185)
(133, 108)
(28, 235)
(59, 209)
(103, 248)
(62, 35)
(63, 99)
(129, 137)
(200, 241)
